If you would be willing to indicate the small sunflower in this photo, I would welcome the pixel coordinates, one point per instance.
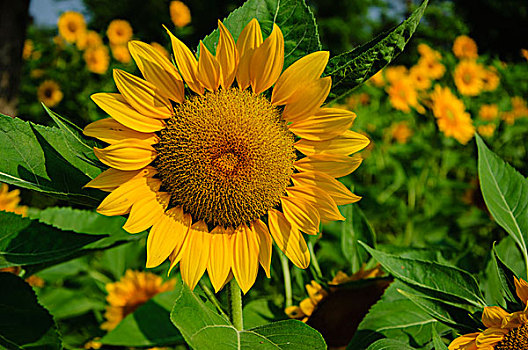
(134, 289)
(88, 40)
(207, 169)
(403, 95)
(465, 48)
(9, 201)
(486, 130)
(97, 59)
(468, 76)
(488, 112)
(49, 93)
(490, 79)
(401, 132)
(420, 77)
(427, 52)
(451, 115)
(28, 49)
(432, 66)
(71, 26)
(121, 53)
(524, 53)
(504, 331)
(119, 32)
(395, 73)
(179, 13)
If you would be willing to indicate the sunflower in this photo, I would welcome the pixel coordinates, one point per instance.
(207, 169)
(179, 13)
(488, 112)
(28, 49)
(97, 59)
(119, 32)
(395, 73)
(401, 132)
(490, 79)
(524, 53)
(121, 53)
(71, 26)
(468, 76)
(162, 50)
(432, 66)
(427, 52)
(49, 93)
(465, 47)
(403, 95)
(486, 130)
(89, 39)
(504, 331)
(134, 289)
(420, 77)
(9, 201)
(451, 115)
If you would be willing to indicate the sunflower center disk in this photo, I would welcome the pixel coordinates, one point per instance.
(516, 339)
(226, 157)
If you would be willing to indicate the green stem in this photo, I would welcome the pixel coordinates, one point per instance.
(315, 263)
(210, 295)
(287, 280)
(235, 305)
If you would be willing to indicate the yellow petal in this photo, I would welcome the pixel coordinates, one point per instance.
(339, 193)
(245, 257)
(219, 263)
(325, 124)
(167, 235)
(321, 200)
(494, 316)
(119, 109)
(346, 144)
(521, 287)
(208, 69)
(112, 178)
(260, 230)
(126, 155)
(227, 56)
(195, 254)
(110, 131)
(301, 72)
(490, 337)
(333, 165)
(142, 95)
(267, 61)
(146, 212)
(307, 100)
(249, 39)
(463, 341)
(288, 239)
(120, 200)
(158, 70)
(176, 255)
(186, 63)
(301, 214)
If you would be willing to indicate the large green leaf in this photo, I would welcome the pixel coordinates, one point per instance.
(355, 228)
(294, 18)
(65, 303)
(453, 284)
(24, 323)
(505, 192)
(389, 344)
(27, 242)
(149, 325)
(202, 328)
(47, 159)
(353, 68)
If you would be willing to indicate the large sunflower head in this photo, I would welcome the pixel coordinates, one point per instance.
(71, 26)
(49, 93)
(504, 331)
(221, 167)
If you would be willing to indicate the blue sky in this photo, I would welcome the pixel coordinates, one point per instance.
(46, 12)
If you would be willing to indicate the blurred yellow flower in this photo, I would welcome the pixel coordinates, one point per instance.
(71, 26)
(468, 76)
(395, 73)
(420, 77)
(486, 130)
(427, 52)
(488, 112)
(432, 66)
(36, 73)
(89, 39)
(49, 93)
(490, 79)
(465, 47)
(401, 132)
(403, 96)
(9, 201)
(162, 50)
(121, 53)
(355, 100)
(519, 107)
(134, 289)
(451, 115)
(180, 14)
(377, 79)
(524, 53)
(28, 49)
(119, 32)
(97, 59)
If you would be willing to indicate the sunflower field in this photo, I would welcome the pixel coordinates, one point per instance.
(267, 174)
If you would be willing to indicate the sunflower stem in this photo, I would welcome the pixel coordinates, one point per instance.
(235, 305)
(315, 263)
(287, 280)
(210, 295)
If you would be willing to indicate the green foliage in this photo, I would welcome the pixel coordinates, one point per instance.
(355, 228)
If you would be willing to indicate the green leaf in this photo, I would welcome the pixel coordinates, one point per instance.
(260, 312)
(294, 18)
(47, 160)
(149, 325)
(453, 284)
(202, 328)
(505, 281)
(355, 228)
(353, 68)
(65, 303)
(505, 192)
(24, 323)
(389, 344)
(437, 341)
(27, 242)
